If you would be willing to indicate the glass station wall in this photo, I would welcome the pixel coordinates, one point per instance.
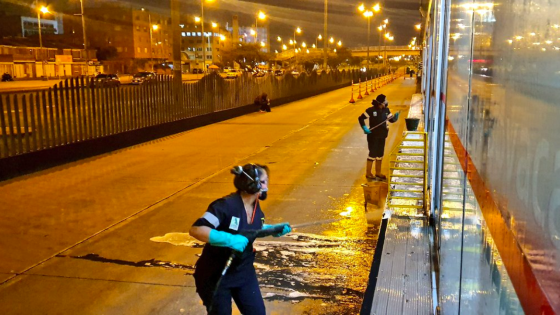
(500, 225)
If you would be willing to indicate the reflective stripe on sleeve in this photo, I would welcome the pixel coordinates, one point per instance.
(390, 116)
(366, 114)
(212, 219)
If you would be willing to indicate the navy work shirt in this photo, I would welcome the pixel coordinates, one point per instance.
(377, 116)
(226, 214)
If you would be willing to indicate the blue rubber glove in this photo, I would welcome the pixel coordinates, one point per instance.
(225, 239)
(396, 116)
(287, 228)
(366, 130)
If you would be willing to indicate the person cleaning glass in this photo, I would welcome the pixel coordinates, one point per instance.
(220, 227)
(377, 130)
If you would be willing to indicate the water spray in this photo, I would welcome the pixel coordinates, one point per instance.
(252, 235)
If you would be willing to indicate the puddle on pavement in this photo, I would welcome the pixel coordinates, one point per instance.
(332, 270)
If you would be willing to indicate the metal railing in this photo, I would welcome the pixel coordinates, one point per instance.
(77, 110)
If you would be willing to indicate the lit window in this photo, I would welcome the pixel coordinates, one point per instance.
(145, 50)
(188, 33)
(183, 34)
(199, 34)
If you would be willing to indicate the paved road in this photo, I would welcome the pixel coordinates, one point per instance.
(107, 235)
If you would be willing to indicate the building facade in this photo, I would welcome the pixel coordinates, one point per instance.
(127, 39)
(33, 62)
(217, 39)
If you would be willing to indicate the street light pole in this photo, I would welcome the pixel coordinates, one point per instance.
(44, 10)
(297, 30)
(84, 31)
(203, 39)
(151, 41)
(325, 52)
(295, 52)
(368, 32)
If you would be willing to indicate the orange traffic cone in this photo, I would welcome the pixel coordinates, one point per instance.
(367, 92)
(352, 95)
(360, 88)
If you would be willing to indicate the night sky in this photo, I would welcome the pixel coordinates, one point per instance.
(345, 22)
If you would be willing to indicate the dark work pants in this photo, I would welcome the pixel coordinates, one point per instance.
(242, 286)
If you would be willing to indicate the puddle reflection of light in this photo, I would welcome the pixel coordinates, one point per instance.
(348, 212)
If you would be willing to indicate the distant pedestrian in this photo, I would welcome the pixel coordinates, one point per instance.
(378, 115)
(264, 102)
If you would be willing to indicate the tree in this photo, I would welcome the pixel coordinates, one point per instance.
(310, 60)
(245, 54)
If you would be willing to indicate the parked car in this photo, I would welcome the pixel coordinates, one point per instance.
(295, 73)
(106, 80)
(197, 71)
(278, 72)
(259, 74)
(143, 77)
(233, 73)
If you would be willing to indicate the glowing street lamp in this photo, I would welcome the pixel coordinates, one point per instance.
(201, 20)
(339, 43)
(296, 31)
(320, 37)
(43, 10)
(368, 14)
(279, 39)
(418, 26)
(260, 16)
(331, 40)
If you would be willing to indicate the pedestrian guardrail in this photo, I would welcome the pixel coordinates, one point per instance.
(76, 110)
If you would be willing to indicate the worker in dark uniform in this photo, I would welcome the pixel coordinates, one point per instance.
(376, 130)
(219, 227)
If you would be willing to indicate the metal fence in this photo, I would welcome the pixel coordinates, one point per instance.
(76, 110)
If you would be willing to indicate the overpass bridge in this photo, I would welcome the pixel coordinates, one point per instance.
(385, 51)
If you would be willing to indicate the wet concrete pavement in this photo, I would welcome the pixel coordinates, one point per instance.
(107, 235)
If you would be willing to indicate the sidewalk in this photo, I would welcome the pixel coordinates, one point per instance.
(112, 205)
